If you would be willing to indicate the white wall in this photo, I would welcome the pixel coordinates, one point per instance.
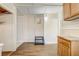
(51, 29)
(39, 27)
(8, 30)
(25, 28)
(28, 27)
(52, 26)
(70, 28)
(7, 36)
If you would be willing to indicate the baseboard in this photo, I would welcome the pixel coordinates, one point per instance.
(44, 43)
(50, 42)
(18, 44)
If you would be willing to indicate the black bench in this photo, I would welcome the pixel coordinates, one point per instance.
(39, 40)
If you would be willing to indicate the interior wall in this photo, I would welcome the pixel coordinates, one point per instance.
(28, 27)
(8, 30)
(71, 28)
(51, 28)
(39, 25)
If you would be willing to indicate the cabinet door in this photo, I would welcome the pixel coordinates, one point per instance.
(59, 46)
(64, 47)
(66, 51)
(66, 9)
(59, 49)
(63, 50)
(74, 9)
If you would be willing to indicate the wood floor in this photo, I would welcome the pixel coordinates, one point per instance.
(6, 53)
(29, 49)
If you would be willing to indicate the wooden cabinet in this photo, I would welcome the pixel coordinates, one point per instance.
(68, 47)
(4, 11)
(66, 10)
(63, 47)
(74, 9)
(71, 11)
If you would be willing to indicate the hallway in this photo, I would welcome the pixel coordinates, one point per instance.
(31, 20)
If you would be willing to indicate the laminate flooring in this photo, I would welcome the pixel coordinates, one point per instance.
(29, 49)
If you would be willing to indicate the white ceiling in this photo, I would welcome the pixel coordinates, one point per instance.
(37, 8)
(38, 4)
